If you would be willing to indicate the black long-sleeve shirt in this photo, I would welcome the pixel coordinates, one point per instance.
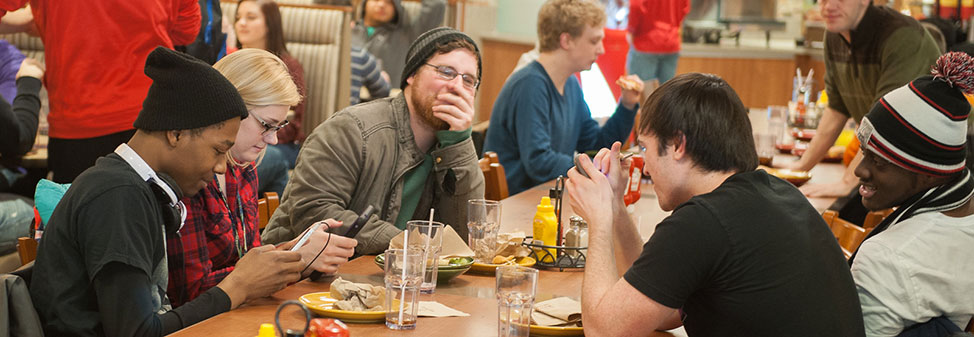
(18, 123)
(126, 309)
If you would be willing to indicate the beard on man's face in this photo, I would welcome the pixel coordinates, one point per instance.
(424, 107)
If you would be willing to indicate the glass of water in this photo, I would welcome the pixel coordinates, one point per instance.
(483, 223)
(403, 275)
(427, 236)
(516, 288)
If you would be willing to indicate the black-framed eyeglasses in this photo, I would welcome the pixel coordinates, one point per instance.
(268, 127)
(448, 73)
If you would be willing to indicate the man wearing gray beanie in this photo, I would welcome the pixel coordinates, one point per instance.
(402, 155)
(101, 267)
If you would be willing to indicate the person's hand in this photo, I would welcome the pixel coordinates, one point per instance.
(261, 272)
(631, 87)
(796, 165)
(31, 68)
(607, 161)
(588, 195)
(385, 76)
(336, 254)
(831, 190)
(455, 106)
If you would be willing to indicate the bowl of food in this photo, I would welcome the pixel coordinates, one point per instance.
(784, 148)
(794, 177)
(449, 268)
(803, 134)
(835, 154)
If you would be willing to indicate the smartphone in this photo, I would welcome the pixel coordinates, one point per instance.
(360, 222)
(306, 236)
(578, 165)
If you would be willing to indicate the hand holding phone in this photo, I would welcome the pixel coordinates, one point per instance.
(578, 165)
(360, 222)
(306, 235)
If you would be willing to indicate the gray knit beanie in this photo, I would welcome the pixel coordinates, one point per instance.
(186, 94)
(425, 45)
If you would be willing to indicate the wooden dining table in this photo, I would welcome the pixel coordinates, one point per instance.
(471, 293)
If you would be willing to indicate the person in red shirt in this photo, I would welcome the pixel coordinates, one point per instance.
(221, 222)
(94, 73)
(654, 37)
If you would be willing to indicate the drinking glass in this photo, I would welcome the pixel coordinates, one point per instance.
(516, 288)
(764, 145)
(483, 223)
(777, 116)
(403, 276)
(427, 236)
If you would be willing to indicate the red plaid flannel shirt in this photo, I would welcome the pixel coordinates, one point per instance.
(203, 253)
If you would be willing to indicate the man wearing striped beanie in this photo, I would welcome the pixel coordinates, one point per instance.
(913, 271)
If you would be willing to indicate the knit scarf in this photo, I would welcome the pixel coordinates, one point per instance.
(941, 198)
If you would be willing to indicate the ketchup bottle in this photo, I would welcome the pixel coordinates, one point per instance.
(635, 180)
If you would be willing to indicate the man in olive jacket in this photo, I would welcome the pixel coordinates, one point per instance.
(403, 155)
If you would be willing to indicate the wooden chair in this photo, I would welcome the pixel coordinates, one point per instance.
(494, 177)
(848, 234)
(27, 249)
(875, 217)
(266, 207)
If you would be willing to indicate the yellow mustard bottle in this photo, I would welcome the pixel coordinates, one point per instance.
(546, 229)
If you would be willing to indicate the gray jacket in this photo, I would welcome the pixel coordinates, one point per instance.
(359, 157)
(391, 41)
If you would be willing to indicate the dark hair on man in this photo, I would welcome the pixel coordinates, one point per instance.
(705, 109)
(275, 28)
(443, 48)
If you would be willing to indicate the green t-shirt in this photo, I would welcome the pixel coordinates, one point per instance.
(415, 179)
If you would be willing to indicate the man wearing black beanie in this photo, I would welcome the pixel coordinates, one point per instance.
(101, 267)
(402, 155)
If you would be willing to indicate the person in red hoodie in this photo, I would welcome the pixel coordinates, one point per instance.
(654, 37)
(94, 65)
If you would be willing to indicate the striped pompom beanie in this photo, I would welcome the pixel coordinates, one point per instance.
(922, 126)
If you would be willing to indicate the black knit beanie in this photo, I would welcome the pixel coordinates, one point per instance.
(425, 45)
(186, 94)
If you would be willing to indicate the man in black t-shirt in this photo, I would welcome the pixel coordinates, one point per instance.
(101, 267)
(742, 254)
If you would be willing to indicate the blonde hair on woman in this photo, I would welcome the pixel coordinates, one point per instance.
(261, 78)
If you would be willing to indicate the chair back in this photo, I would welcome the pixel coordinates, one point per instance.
(875, 217)
(848, 234)
(27, 248)
(496, 181)
(266, 207)
(319, 36)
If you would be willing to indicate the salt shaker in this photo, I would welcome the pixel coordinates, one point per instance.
(577, 235)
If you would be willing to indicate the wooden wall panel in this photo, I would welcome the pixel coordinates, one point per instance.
(759, 82)
(499, 59)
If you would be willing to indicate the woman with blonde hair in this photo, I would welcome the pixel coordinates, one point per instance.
(221, 223)
(258, 24)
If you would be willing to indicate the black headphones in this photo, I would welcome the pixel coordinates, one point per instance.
(172, 215)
